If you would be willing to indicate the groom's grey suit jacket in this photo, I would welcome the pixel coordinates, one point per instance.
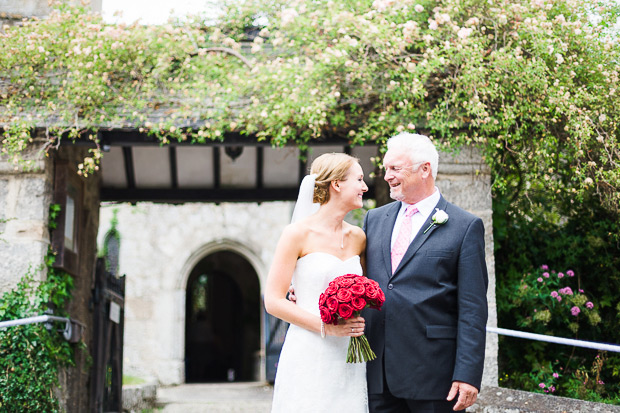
(431, 329)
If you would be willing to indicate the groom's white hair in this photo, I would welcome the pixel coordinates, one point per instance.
(418, 148)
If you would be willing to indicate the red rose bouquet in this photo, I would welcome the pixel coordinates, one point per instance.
(344, 298)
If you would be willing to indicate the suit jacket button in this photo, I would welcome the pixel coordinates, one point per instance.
(390, 286)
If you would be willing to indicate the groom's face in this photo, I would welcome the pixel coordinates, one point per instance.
(402, 176)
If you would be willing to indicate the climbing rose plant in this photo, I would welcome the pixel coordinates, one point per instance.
(533, 83)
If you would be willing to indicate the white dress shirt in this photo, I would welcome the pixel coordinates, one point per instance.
(425, 208)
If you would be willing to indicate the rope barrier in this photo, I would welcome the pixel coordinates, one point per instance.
(557, 340)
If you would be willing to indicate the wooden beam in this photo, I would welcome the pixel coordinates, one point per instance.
(303, 164)
(174, 174)
(203, 195)
(129, 171)
(259, 167)
(133, 137)
(216, 167)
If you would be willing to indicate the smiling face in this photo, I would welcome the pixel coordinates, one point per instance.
(408, 182)
(353, 187)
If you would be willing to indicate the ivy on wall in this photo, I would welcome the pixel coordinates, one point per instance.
(31, 356)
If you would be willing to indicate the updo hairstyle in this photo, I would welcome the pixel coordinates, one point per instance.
(329, 167)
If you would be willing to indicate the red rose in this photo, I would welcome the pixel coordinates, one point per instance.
(331, 289)
(345, 311)
(357, 289)
(378, 302)
(358, 303)
(372, 292)
(345, 282)
(381, 296)
(322, 299)
(326, 315)
(332, 304)
(344, 295)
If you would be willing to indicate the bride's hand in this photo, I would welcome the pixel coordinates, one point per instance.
(353, 327)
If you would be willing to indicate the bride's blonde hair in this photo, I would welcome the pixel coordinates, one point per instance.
(329, 167)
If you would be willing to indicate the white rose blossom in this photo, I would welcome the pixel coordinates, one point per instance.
(288, 16)
(440, 217)
(464, 32)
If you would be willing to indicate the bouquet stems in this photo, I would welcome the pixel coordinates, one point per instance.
(359, 350)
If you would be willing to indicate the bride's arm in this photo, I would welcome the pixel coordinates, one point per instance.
(278, 281)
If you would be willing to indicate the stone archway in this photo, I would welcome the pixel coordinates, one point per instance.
(223, 320)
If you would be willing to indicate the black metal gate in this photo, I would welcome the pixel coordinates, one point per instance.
(275, 331)
(107, 351)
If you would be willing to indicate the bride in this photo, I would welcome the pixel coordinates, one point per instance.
(318, 246)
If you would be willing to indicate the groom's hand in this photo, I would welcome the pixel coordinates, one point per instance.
(467, 395)
(291, 295)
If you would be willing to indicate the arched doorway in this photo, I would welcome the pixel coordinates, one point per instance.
(222, 323)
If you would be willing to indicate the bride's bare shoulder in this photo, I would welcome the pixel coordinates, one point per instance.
(297, 230)
(357, 235)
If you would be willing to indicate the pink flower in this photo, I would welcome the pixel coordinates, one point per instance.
(580, 290)
(544, 267)
(575, 310)
(556, 375)
(552, 389)
(570, 273)
(566, 291)
(559, 298)
(546, 274)
(554, 294)
(541, 385)
(590, 305)
(601, 382)
(539, 279)
(560, 275)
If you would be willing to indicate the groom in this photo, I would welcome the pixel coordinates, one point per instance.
(429, 336)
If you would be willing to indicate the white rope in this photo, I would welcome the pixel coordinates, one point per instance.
(552, 339)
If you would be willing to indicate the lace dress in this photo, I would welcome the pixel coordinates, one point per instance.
(313, 375)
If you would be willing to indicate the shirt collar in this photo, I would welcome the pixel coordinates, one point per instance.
(425, 206)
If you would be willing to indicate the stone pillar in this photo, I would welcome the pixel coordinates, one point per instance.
(465, 180)
(25, 197)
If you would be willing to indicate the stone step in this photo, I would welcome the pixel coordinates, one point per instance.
(250, 397)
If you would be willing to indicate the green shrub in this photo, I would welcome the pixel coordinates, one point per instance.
(586, 241)
(31, 355)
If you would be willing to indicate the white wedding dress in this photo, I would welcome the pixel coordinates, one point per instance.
(313, 375)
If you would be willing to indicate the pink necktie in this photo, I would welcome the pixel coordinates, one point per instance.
(403, 239)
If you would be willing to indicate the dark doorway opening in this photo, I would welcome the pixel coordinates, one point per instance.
(222, 323)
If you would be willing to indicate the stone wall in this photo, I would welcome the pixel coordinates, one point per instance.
(25, 197)
(160, 244)
(465, 180)
(501, 400)
(13, 11)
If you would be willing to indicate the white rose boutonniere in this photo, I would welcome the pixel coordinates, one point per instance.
(439, 218)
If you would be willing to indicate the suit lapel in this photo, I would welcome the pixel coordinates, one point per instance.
(388, 223)
(421, 237)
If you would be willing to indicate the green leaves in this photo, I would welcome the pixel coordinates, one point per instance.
(30, 355)
(534, 84)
